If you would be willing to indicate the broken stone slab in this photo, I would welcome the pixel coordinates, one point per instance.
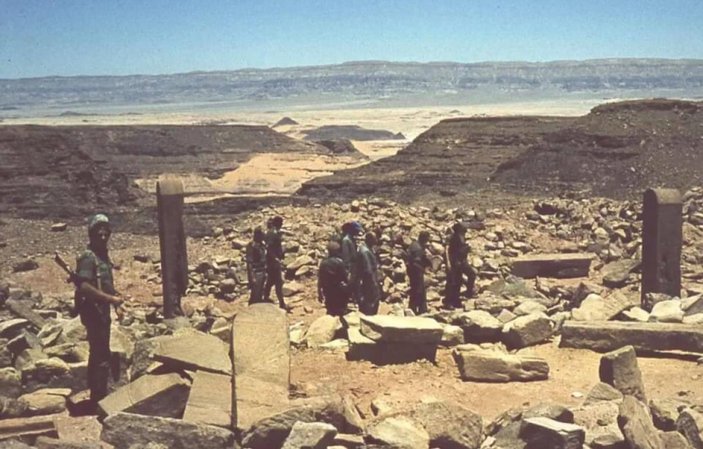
(665, 412)
(123, 430)
(316, 435)
(605, 336)
(28, 427)
(527, 330)
(9, 329)
(603, 392)
(619, 368)
(403, 329)
(23, 309)
(322, 330)
(596, 308)
(448, 424)
(552, 265)
(636, 424)
(692, 305)
(452, 335)
(385, 353)
(398, 432)
(616, 274)
(46, 401)
(272, 430)
(143, 353)
(194, 350)
(155, 395)
(79, 429)
(210, 400)
(546, 433)
(600, 419)
(261, 364)
(491, 366)
(690, 424)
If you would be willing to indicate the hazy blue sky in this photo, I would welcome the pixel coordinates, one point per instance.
(72, 37)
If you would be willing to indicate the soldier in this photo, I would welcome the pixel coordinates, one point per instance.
(256, 266)
(274, 261)
(332, 282)
(416, 263)
(351, 232)
(366, 268)
(458, 266)
(95, 292)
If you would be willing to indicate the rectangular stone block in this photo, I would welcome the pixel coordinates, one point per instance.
(155, 395)
(392, 329)
(552, 265)
(28, 427)
(546, 433)
(210, 400)
(619, 369)
(386, 353)
(194, 351)
(260, 364)
(492, 366)
(606, 336)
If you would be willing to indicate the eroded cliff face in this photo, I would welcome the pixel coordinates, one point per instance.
(616, 150)
(68, 171)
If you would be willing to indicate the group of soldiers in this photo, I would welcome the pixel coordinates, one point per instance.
(350, 272)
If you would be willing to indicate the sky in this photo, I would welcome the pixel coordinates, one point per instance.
(121, 37)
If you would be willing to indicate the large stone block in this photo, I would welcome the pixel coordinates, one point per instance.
(620, 369)
(401, 329)
(636, 424)
(600, 419)
(210, 400)
(322, 330)
(490, 366)
(261, 364)
(156, 395)
(449, 425)
(385, 353)
(316, 435)
(123, 430)
(690, 424)
(194, 350)
(28, 427)
(479, 326)
(596, 308)
(610, 335)
(527, 330)
(552, 265)
(398, 432)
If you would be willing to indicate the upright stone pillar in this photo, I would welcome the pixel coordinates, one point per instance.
(174, 257)
(661, 243)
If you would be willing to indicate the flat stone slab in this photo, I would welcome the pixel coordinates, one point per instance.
(124, 430)
(386, 353)
(9, 328)
(606, 336)
(491, 366)
(404, 329)
(194, 351)
(261, 363)
(156, 395)
(28, 427)
(551, 434)
(552, 265)
(210, 400)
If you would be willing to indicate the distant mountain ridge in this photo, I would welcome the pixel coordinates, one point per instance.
(362, 80)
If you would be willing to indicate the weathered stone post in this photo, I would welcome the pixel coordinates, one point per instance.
(662, 235)
(174, 257)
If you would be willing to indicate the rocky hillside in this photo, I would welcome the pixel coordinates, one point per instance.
(616, 150)
(65, 171)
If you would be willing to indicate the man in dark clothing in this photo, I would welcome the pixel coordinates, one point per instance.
(351, 232)
(256, 266)
(274, 261)
(332, 282)
(458, 267)
(366, 268)
(416, 263)
(95, 292)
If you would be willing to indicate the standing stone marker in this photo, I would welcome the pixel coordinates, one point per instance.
(260, 364)
(174, 257)
(662, 235)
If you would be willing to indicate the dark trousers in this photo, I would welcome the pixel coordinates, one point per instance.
(98, 360)
(336, 300)
(256, 285)
(370, 295)
(455, 278)
(274, 278)
(418, 296)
